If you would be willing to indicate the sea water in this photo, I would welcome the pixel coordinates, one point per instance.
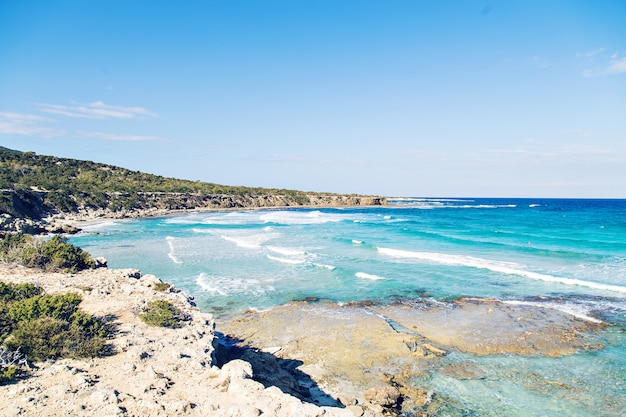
(568, 255)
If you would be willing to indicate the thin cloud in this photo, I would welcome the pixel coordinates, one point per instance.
(601, 63)
(26, 124)
(617, 66)
(96, 110)
(591, 55)
(116, 137)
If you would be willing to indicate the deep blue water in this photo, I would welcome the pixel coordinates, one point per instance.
(564, 254)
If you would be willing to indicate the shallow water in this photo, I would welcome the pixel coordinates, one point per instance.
(563, 254)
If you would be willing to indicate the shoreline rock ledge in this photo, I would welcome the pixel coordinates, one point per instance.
(152, 371)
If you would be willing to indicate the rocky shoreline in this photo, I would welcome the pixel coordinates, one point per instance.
(308, 358)
(359, 350)
(152, 371)
(31, 215)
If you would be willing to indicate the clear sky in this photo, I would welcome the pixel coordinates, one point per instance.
(412, 98)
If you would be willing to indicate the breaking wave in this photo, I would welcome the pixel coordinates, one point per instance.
(501, 267)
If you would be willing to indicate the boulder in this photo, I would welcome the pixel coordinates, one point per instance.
(386, 397)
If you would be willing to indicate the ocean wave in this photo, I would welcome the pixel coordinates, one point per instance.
(507, 268)
(233, 219)
(429, 204)
(301, 217)
(484, 206)
(368, 276)
(436, 200)
(249, 241)
(357, 242)
(170, 254)
(576, 310)
(286, 251)
(286, 260)
(97, 226)
(204, 282)
(226, 286)
(324, 266)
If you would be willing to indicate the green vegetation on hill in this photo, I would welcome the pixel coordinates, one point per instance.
(70, 184)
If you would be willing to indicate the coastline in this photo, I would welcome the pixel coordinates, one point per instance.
(284, 361)
(61, 222)
(364, 369)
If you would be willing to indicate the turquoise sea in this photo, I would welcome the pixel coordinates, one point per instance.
(568, 255)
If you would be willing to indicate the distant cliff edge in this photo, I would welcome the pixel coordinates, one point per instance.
(38, 191)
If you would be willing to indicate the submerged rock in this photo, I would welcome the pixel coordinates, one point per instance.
(372, 354)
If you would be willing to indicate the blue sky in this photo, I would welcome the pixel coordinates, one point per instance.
(419, 98)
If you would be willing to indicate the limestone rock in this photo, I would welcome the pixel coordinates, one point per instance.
(387, 397)
(100, 262)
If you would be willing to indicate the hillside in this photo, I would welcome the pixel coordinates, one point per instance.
(36, 187)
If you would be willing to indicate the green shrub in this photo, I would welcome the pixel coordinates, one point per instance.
(161, 313)
(53, 254)
(59, 307)
(8, 373)
(65, 256)
(16, 292)
(39, 339)
(161, 286)
(12, 246)
(43, 326)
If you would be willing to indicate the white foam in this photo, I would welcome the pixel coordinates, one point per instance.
(249, 241)
(575, 310)
(93, 227)
(196, 230)
(357, 242)
(181, 220)
(534, 205)
(170, 243)
(444, 203)
(301, 217)
(286, 251)
(484, 206)
(329, 267)
(286, 260)
(234, 218)
(368, 276)
(387, 217)
(228, 286)
(508, 268)
(205, 283)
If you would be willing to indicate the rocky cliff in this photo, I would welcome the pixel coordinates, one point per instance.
(29, 211)
(151, 371)
(35, 188)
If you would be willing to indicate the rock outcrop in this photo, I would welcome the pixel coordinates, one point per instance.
(370, 356)
(151, 204)
(27, 211)
(151, 371)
